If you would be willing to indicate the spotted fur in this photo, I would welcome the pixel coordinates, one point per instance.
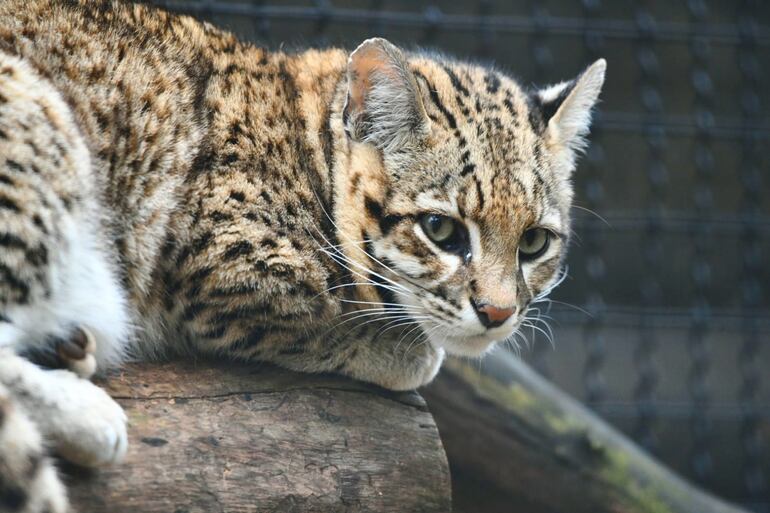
(28, 479)
(170, 189)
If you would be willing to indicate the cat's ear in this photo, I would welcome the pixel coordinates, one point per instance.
(566, 108)
(384, 106)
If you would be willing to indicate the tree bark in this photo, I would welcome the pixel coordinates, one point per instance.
(516, 443)
(225, 437)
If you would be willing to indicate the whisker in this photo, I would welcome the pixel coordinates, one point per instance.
(537, 328)
(425, 337)
(414, 318)
(342, 260)
(546, 326)
(579, 309)
(378, 303)
(374, 311)
(405, 320)
(356, 246)
(403, 337)
(391, 325)
(379, 317)
(584, 209)
(362, 314)
(562, 276)
(339, 257)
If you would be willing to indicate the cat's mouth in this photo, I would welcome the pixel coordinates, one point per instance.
(473, 344)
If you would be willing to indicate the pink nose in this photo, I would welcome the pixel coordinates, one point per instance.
(492, 316)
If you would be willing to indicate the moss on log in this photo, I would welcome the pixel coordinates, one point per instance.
(532, 448)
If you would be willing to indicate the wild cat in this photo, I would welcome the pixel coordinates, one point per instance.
(165, 188)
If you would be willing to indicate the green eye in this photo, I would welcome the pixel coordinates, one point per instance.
(438, 228)
(534, 243)
(445, 232)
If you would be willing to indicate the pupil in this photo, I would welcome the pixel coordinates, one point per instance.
(436, 223)
(530, 237)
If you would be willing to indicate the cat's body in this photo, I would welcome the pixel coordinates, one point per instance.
(165, 188)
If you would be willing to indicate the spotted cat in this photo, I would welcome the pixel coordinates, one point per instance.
(166, 189)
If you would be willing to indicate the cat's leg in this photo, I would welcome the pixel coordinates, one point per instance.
(59, 290)
(267, 304)
(28, 480)
(395, 363)
(390, 362)
(57, 280)
(294, 332)
(82, 423)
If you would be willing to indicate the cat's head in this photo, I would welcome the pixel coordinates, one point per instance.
(458, 186)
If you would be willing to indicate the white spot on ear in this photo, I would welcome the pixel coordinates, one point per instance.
(551, 93)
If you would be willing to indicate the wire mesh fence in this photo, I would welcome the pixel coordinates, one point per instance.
(663, 326)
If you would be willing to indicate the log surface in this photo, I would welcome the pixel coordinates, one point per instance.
(517, 443)
(225, 437)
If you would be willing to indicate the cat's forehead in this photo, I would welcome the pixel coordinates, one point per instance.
(482, 120)
(509, 203)
(488, 160)
(463, 95)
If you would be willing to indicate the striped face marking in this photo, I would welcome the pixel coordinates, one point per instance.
(471, 221)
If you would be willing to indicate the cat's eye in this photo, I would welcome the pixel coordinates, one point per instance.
(534, 243)
(445, 232)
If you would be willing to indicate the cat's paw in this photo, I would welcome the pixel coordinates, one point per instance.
(90, 427)
(402, 371)
(82, 422)
(77, 352)
(28, 479)
(418, 371)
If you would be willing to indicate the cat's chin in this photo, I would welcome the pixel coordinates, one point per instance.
(472, 346)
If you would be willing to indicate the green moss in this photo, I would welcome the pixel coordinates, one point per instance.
(614, 466)
(618, 473)
(515, 397)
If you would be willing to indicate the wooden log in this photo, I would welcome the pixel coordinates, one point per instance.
(517, 443)
(225, 437)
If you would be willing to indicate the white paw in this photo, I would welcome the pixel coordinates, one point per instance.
(86, 425)
(78, 418)
(26, 469)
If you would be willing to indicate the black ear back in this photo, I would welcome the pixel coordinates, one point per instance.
(548, 106)
(562, 112)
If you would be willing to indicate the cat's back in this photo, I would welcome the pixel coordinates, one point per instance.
(99, 38)
(128, 71)
(100, 43)
(174, 112)
(138, 82)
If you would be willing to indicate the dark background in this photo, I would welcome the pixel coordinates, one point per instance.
(663, 326)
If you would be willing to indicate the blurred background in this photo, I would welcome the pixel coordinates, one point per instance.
(663, 325)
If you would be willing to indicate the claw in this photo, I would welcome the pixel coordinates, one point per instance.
(70, 350)
(77, 352)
